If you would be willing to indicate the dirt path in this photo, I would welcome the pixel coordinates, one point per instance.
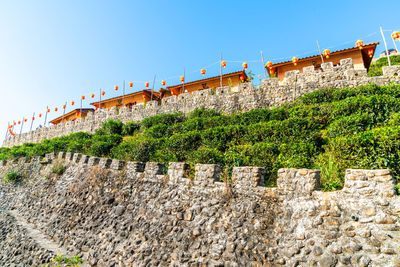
(41, 239)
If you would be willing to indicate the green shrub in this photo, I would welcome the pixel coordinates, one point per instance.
(12, 177)
(58, 168)
(135, 148)
(130, 128)
(166, 119)
(376, 69)
(330, 129)
(111, 127)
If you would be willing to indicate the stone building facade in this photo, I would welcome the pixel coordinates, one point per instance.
(271, 93)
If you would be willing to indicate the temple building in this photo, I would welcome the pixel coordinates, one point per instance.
(72, 115)
(129, 100)
(362, 58)
(231, 79)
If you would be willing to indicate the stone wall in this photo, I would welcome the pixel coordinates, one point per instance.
(271, 93)
(117, 213)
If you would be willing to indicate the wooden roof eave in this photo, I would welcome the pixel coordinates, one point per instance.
(367, 46)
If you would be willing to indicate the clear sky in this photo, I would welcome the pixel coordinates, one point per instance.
(55, 51)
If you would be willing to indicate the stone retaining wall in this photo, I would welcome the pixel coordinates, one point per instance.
(140, 214)
(271, 93)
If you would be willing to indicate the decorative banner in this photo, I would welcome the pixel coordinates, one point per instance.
(223, 64)
(48, 110)
(245, 65)
(130, 85)
(163, 83)
(83, 97)
(25, 120)
(55, 109)
(326, 53)
(40, 115)
(11, 132)
(144, 96)
(103, 93)
(64, 106)
(182, 79)
(92, 95)
(269, 64)
(78, 113)
(242, 77)
(396, 35)
(147, 84)
(33, 118)
(370, 52)
(295, 60)
(116, 87)
(72, 103)
(19, 122)
(360, 44)
(203, 72)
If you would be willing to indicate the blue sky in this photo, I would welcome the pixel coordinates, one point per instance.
(55, 51)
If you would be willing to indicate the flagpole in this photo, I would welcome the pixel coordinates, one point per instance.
(319, 49)
(45, 117)
(184, 79)
(220, 65)
(22, 125)
(123, 95)
(387, 52)
(395, 46)
(64, 112)
(33, 116)
(262, 57)
(99, 98)
(154, 81)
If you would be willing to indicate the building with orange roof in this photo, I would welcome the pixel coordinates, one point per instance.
(362, 58)
(232, 79)
(72, 115)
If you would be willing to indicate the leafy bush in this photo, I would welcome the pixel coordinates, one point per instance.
(130, 128)
(58, 168)
(12, 177)
(330, 129)
(376, 69)
(111, 127)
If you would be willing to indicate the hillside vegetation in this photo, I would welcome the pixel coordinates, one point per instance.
(331, 129)
(376, 68)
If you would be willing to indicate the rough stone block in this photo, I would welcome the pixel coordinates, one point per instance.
(272, 82)
(178, 171)
(134, 166)
(369, 183)
(248, 176)
(76, 158)
(327, 66)
(298, 182)
(69, 156)
(61, 155)
(222, 90)
(105, 163)
(93, 161)
(117, 164)
(392, 72)
(346, 63)
(308, 70)
(154, 168)
(353, 74)
(50, 156)
(84, 159)
(207, 173)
